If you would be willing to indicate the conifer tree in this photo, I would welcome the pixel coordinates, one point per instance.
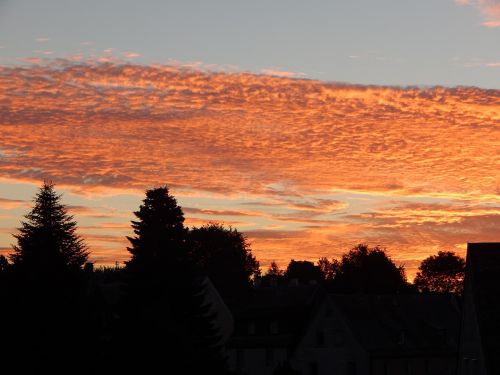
(160, 234)
(164, 299)
(47, 241)
(45, 289)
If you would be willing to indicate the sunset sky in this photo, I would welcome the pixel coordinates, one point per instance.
(309, 126)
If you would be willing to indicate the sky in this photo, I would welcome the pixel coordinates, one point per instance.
(308, 126)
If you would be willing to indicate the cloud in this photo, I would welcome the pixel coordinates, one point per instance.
(307, 168)
(96, 212)
(193, 210)
(32, 60)
(489, 9)
(131, 55)
(42, 39)
(231, 122)
(491, 23)
(281, 73)
(8, 204)
(46, 53)
(479, 63)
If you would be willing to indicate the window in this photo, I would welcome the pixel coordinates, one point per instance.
(402, 338)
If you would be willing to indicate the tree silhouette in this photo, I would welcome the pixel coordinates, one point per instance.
(329, 269)
(160, 235)
(441, 273)
(46, 289)
(274, 275)
(225, 256)
(274, 270)
(47, 240)
(163, 301)
(304, 271)
(369, 270)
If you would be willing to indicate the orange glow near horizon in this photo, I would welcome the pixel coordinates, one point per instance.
(304, 168)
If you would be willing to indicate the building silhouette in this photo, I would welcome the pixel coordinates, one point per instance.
(479, 352)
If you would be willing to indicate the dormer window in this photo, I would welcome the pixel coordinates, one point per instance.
(273, 327)
(402, 338)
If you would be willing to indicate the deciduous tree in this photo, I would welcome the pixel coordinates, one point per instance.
(304, 271)
(369, 270)
(226, 257)
(441, 273)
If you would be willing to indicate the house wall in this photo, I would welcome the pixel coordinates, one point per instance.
(328, 347)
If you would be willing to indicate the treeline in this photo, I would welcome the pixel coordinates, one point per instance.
(61, 315)
(371, 270)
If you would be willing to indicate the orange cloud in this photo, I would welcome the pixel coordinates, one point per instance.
(131, 55)
(8, 204)
(490, 10)
(303, 165)
(281, 73)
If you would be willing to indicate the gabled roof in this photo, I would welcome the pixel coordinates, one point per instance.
(402, 324)
(483, 274)
(286, 308)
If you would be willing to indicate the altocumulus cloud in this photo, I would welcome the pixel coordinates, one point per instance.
(297, 147)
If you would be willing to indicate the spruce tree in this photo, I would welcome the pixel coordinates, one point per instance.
(47, 241)
(46, 289)
(160, 235)
(164, 299)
